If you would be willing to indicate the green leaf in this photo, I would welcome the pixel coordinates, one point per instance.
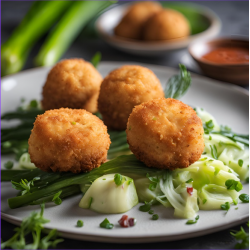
(57, 200)
(106, 224)
(242, 237)
(9, 164)
(244, 198)
(79, 223)
(240, 162)
(146, 207)
(178, 85)
(233, 185)
(96, 59)
(225, 206)
(190, 222)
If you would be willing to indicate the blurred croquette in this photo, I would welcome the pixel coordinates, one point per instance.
(72, 83)
(165, 133)
(122, 90)
(165, 25)
(65, 140)
(132, 23)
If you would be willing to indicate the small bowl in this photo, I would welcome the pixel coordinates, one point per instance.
(233, 73)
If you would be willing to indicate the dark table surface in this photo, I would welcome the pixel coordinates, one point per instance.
(234, 16)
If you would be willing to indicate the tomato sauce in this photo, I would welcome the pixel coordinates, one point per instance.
(228, 55)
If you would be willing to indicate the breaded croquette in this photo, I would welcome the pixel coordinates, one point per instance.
(123, 89)
(165, 25)
(65, 140)
(165, 133)
(131, 25)
(72, 83)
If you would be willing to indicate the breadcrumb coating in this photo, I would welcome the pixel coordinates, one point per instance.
(165, 134)
(131, 25)
(72, 83)
(122, 90)
(165, 25)
(65, 140)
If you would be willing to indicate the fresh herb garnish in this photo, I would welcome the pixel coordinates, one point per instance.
(240, 162)
(214, 152)
(106, 224)
(208, 127)
(57, 199)
(95, 60)
(225, 206)
(154, 182)
(33, 226)
(244, 198)
(146, 207)
(242, 237)
(119, 179)
(190, 222)
(190, 180)
(24, 185)
(233, 185)
(79, 223)
(151, 211)
(178, 85)
(155, 217)
(9, 164)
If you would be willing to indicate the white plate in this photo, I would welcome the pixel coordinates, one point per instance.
(229, 105)
(106, 23)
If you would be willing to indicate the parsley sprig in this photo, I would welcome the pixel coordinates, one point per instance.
(32, 225)
(24, 185)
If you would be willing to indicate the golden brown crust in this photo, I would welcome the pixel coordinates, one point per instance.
(65, 140)
(132, 23)
(123, 89)
(72, 83)
(165, 25)
(165, 134)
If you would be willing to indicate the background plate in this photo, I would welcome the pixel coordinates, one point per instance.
(204, 24)
(229, 105)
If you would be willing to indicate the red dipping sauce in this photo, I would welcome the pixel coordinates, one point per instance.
(228, 55)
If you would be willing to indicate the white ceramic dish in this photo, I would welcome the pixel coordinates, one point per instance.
(230, 106)
(106, 23)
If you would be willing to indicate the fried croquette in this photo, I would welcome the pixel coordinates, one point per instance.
(165, 133)
(72, 83)
(123, 89)
(165, 25)
(68, 140)
(131, 25)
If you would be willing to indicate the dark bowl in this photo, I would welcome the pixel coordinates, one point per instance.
(233, 73)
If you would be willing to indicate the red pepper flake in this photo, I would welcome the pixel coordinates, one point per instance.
(127, 222)
(190, 190)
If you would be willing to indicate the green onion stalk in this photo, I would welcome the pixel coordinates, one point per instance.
(39, 19)
(126, 164)
(67, 29)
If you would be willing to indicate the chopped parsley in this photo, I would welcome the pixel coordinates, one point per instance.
(190, 222)
(233, 185)
(240, 162)
(214, 152)
(57, 199)
(106, 224)
(244, 198)
(9, 164)
(79, 223)
(225, 206)
(155, 217)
